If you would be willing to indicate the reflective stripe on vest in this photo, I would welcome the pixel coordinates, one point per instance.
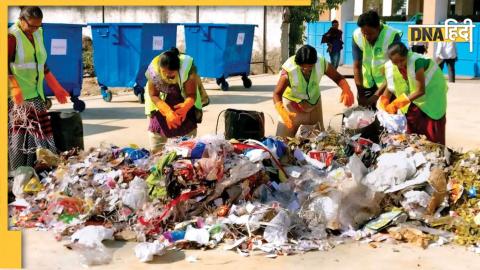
(374, 57)
(434, 101)
(186, 63)
(299, 90)
(29, 63)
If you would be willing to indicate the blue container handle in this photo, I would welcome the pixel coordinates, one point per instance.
(116, 34)
(103, 34)
(208, 35)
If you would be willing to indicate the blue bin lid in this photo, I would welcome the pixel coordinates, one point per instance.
(57, 24)
(128, 24)
(217, 24)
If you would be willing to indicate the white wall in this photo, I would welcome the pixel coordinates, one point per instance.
(240, 15)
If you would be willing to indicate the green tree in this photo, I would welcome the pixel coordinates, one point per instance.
(298, 15)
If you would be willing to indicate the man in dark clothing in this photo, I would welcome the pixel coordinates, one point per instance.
(333, 38)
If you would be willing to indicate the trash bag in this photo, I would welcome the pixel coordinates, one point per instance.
(243, 125)
(67, 130)
(371, 131)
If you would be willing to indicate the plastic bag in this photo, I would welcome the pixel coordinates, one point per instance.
(393, 123)
(415, 203)
(136, 194)
(145, 251)
(392, 169)
(22, 176)
(200, 236)
(359, 119)
(88, 242)
(276, 232)
(90, 256)
(92, 236)
(46, 157)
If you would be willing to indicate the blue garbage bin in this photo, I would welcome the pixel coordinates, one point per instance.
(123, 51)
(221, 50)
(63, 43)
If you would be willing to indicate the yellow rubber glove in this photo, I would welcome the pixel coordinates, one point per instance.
(347, 96)
(181, 109)
(173, 120)
(397, 104)
(60, 93)
(15, 90)
(286, 115)
(383, 102)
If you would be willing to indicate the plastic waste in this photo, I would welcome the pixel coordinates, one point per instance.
(415, 203)
(393, 123)
(46, 157)
(359, 119)
(200, 236)
(22, 176)
(136, 195)
(88, 242)
(173, 236)
(278, 228)
(145, 251)
(92, 236)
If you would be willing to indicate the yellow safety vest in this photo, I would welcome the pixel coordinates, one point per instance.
(299, 90)
(186, 63)
(374, 57)
(434, 101)
(29, 63)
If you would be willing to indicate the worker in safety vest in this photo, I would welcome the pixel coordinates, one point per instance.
(29, 123)
(174, 98)
(369, 48)
(297, 95)
(420, 90)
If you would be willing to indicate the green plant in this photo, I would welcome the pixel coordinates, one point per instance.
(301, 14)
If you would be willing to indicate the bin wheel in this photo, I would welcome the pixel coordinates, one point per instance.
(247, 83)
(220, 80)
(78, 105)
(106, 94)
(141, 98)
(48, 103)
(224, 85)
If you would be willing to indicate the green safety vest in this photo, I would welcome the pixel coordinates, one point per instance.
(299, 90)
(374, 57)
(28, 71)
(186, 63)
(434, 101)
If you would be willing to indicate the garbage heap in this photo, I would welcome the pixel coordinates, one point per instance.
(280, 196)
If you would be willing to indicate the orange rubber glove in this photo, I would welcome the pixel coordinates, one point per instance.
(15, 89)
(383, 102)
(60, 93)
(397, 104)
(347, 96)
(286, 115)
(181, 109)
(173, 120)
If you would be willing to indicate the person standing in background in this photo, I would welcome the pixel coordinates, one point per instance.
(333, 38)
(446, 52)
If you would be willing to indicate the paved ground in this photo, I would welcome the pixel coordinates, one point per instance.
(122, 122)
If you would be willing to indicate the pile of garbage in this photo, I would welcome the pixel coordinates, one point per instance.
(280, 196)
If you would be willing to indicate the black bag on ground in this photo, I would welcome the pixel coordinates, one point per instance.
(242, 124)
(67, 130)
